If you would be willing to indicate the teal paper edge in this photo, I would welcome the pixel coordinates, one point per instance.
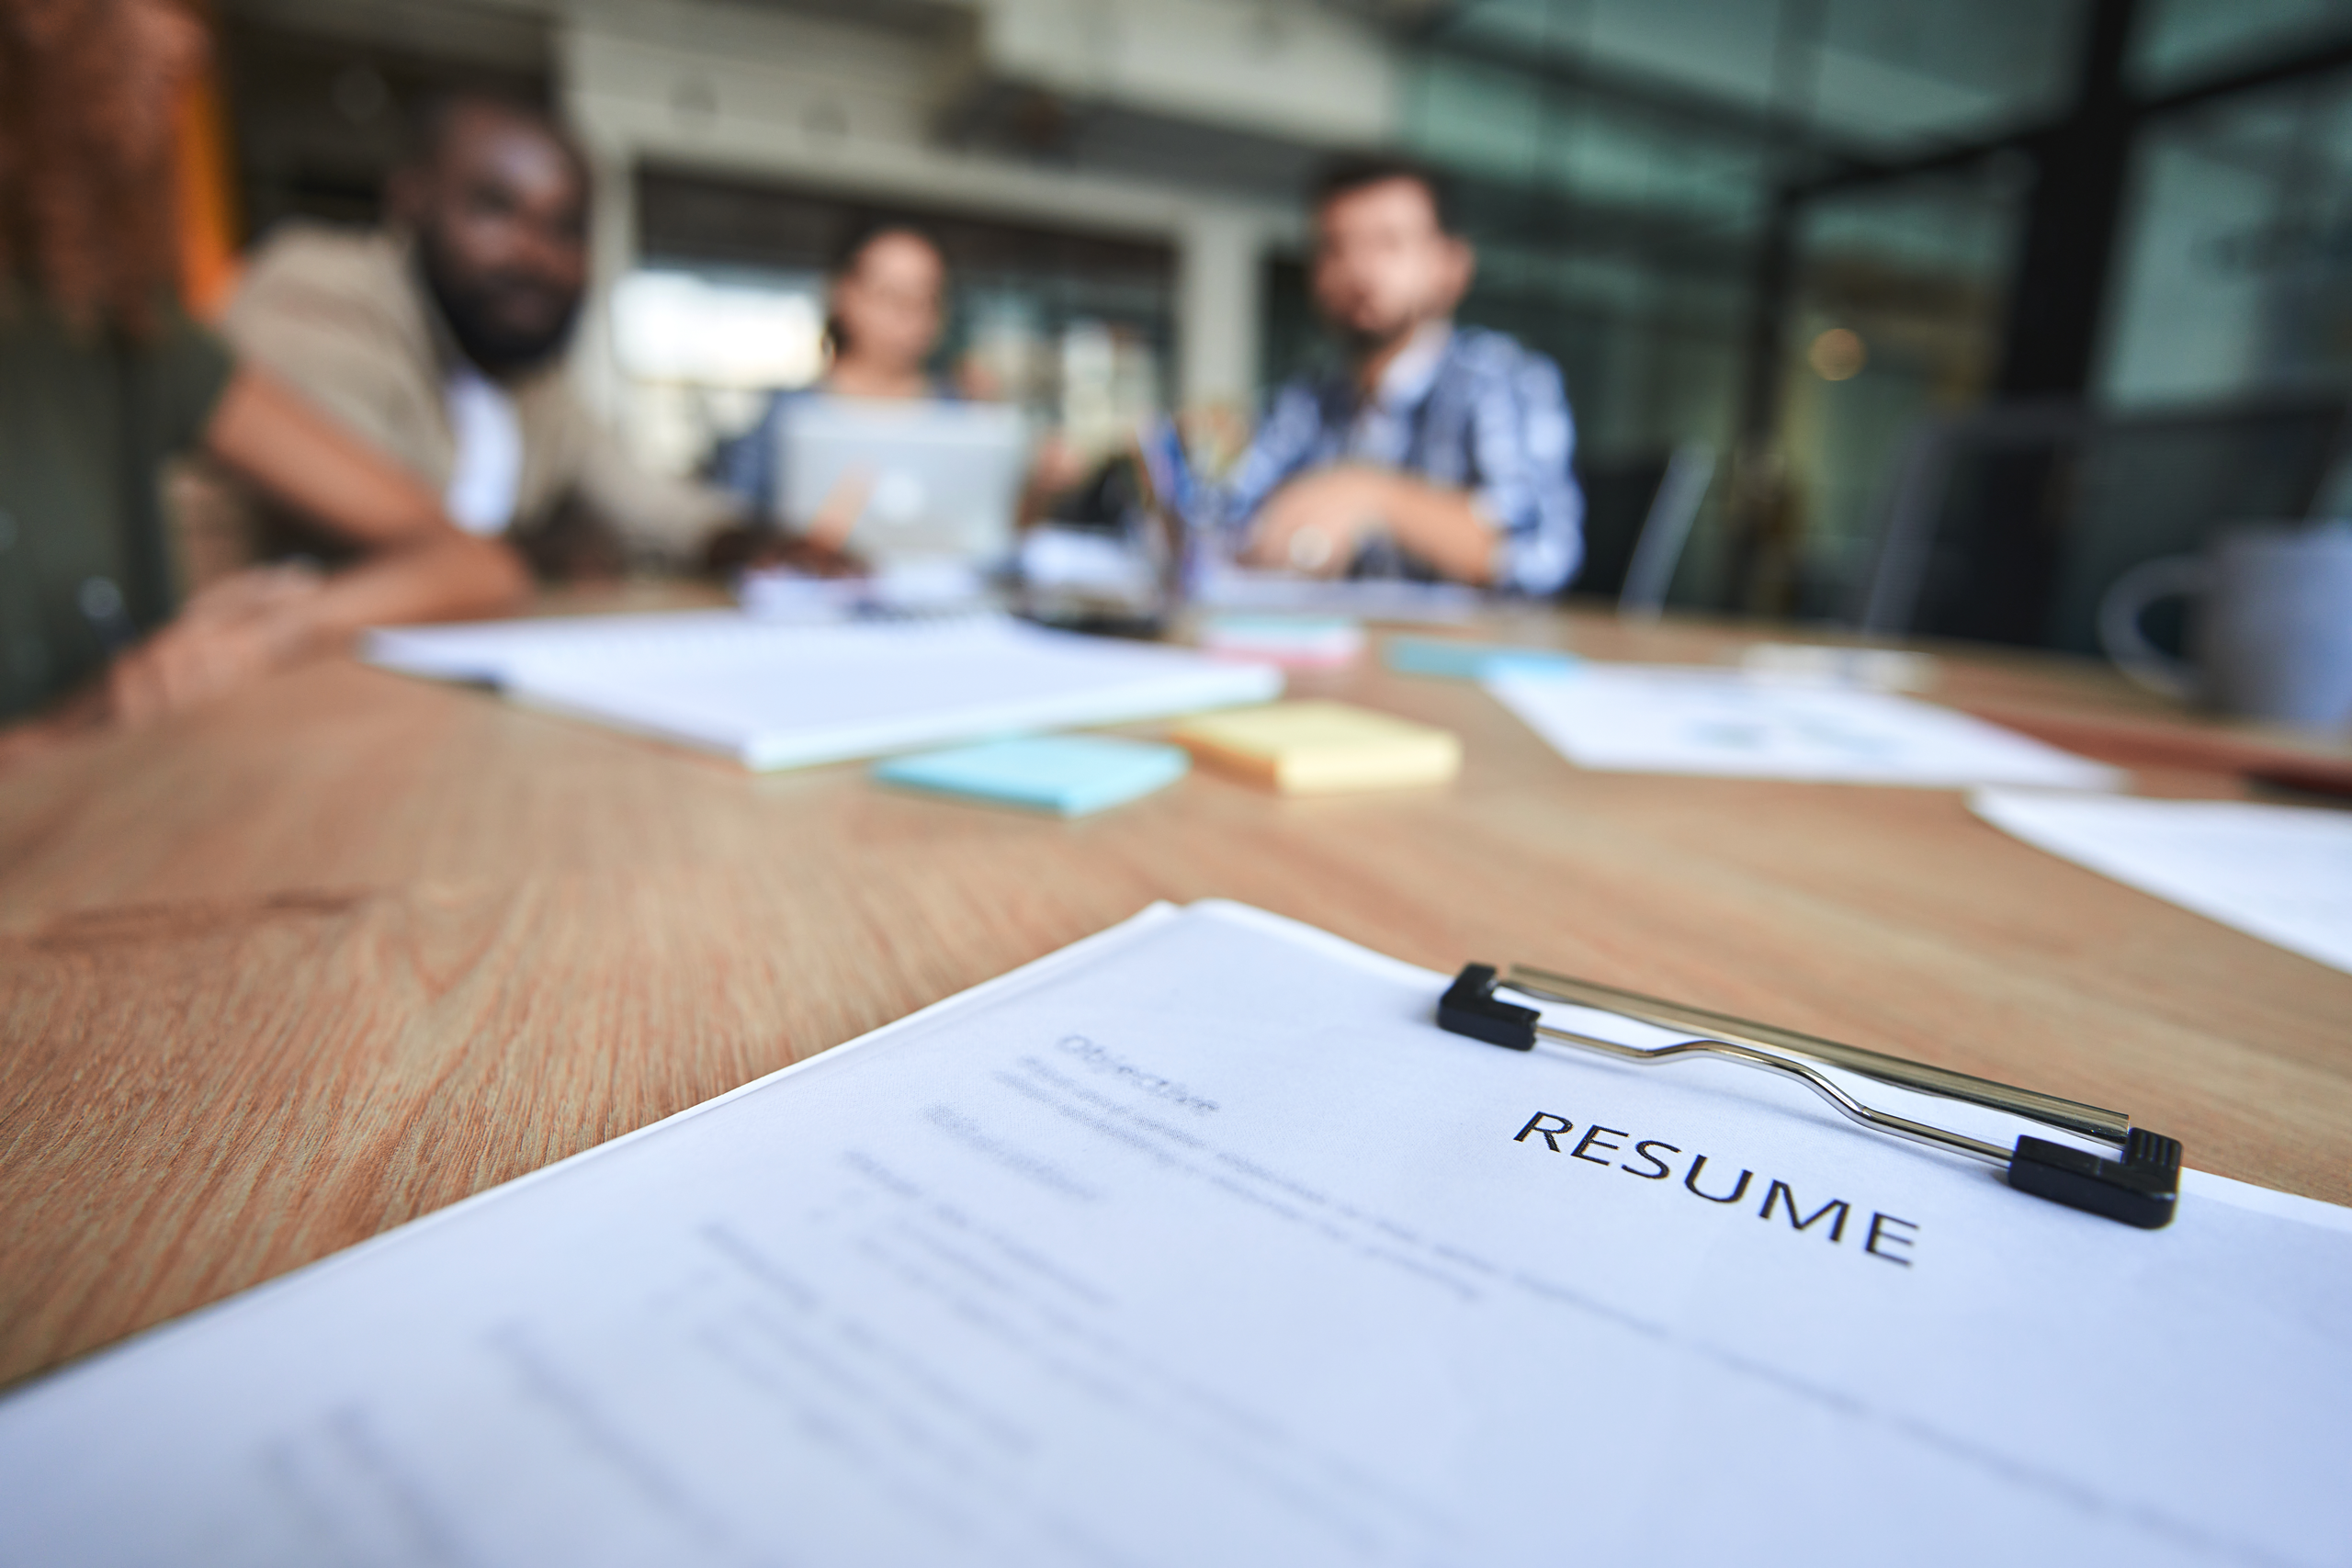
(1446, 660)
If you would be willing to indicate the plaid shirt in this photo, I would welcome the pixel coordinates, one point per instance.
(1462, 408)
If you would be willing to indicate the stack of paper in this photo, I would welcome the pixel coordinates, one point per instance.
(1321, 748)
(488, 651)
(1199, 1242)
(1678, 719)
(779, 696)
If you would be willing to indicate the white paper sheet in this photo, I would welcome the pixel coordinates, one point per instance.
(1680, 719)
(485, 650)
(1200, 1243)
(781, 696)
(2280, 872)
(1366, 598)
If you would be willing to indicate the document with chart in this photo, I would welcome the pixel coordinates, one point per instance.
(1732, 724)
(1200, 1243)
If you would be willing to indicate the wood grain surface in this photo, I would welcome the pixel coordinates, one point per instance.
(283, 972)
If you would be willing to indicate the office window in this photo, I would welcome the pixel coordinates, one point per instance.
(1899, 313)
(2176, 42)
(2236, 271)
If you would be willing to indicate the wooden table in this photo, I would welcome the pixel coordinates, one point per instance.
(281, 974)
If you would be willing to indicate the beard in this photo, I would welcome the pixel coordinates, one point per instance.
(481, 310)
(1363, 339)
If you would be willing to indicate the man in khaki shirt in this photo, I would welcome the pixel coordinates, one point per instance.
(440, 340)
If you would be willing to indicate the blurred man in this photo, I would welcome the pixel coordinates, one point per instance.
(441, 339)
(102, 380)
(1437, 450)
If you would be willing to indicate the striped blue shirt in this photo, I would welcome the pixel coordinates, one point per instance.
(1463, 408)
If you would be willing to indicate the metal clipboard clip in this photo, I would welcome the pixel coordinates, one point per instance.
(2141, 1188)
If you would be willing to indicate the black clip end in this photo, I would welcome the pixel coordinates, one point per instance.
(2142, 1189)
(1469, 1007)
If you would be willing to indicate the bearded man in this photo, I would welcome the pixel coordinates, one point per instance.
(1434, 450)
(441, 338)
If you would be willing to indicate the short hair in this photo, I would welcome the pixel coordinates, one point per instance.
(1345, 176)
(437, 119)
(860, 237)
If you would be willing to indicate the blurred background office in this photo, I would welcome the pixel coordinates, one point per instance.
(1934, 316)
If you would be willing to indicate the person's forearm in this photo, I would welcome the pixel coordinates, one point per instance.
(1319, 522)
(453, 576)
(418, 565)
(1442, 526)
(266, 431)
(269, 618)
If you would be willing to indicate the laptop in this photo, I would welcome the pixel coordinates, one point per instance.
(943, 480)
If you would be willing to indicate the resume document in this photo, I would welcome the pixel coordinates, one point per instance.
(1200, 1243)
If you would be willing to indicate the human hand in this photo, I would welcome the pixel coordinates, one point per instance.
(809, 556)
(740, 549)
(838, 513)
(229, 636)
(1056, 465)
(1318, 522)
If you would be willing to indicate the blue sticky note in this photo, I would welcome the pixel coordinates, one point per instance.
(1452, 659)
(1072, 774)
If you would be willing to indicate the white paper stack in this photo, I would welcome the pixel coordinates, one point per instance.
(783, 696)
(486, 651)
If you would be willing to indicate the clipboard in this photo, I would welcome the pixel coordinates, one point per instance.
(2142, 1188)
(1199, 1242)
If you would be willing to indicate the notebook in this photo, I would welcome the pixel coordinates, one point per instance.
(1322, 747)
(484, 652)
(1071, 774)
(781, 696)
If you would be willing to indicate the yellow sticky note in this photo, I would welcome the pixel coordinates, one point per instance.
(1315, 748)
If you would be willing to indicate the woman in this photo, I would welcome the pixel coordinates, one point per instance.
(885, 310)
(102, 378)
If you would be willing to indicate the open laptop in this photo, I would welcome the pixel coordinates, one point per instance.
(943, 480)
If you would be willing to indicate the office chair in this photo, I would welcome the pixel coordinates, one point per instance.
(1638, 515)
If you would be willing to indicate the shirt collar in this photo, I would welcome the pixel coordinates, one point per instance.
(1408, 377)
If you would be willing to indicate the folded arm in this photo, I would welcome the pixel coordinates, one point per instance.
(1318, 522)
(1299, 516)
(416, 565)
(1522, 438)
(1515, 521)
